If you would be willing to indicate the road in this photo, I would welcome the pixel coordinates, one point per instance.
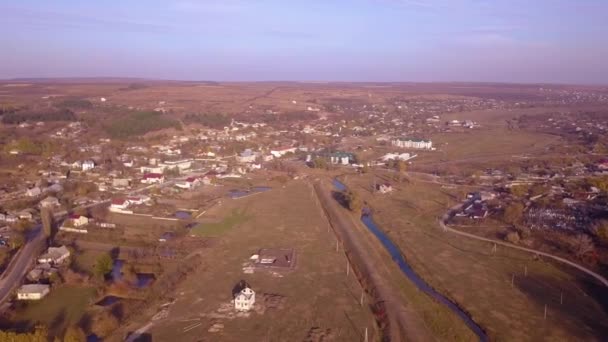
(505, 244)
(20, 264)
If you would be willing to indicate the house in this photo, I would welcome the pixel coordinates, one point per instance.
(343, 158)
(281, 151)
(206, 180)
(189, 183)
(119, 204)
(603, 165)
(54, 255)
(79, 220)
(384, 188)
(121, 183)
(412, 143)
(244, 296)
(33, 192)
(49, 202)
(88, 165)
(33, 291)
(246, 156)
(153, 178)
(397, 156)
(25, 215)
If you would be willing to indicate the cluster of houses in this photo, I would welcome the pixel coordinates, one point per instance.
(475, 206)
(47, 265)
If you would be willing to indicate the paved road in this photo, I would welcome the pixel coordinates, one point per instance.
(20, 264)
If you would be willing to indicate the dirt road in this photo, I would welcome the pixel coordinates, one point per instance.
(397, 321)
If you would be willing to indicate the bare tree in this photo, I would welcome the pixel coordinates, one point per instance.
(581, 245)
(46, 215)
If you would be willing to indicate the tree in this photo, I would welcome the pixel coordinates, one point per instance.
(512, 237)
(513, 213)
(401, 167)
(105, 324)
(353, 201)
(103, 265)
(46, 215)
(581, 245)
(601, 230)
(519, 190)
(74, 334)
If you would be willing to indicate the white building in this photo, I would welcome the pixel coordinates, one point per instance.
(33, 292)
(245, 299)
(412, 143)
(153, 178)
(54, 255)
(33, 192)
(397, 156)
(88, 165)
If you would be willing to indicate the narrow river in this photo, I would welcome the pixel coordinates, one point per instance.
(409, 272)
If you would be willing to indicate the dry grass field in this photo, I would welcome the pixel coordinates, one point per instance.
(480, 280)
(315, 299)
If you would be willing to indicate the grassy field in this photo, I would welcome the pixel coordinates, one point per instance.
(219, 228)
(486, 144)
(481, 281)
(63, 307)
(316, 294)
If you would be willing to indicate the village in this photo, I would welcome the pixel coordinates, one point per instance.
(118, 212)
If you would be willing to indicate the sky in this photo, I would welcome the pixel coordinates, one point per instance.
(540, 41)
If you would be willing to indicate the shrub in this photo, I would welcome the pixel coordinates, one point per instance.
(512, 237)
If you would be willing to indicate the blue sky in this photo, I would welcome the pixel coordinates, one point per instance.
(314, 40)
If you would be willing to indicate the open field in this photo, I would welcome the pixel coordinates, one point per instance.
(315, 298)
(63, 307)
(477, 146)
(215, 229)
(480, 280)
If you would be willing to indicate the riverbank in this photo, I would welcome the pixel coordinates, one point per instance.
(506, 291)
(412, 310)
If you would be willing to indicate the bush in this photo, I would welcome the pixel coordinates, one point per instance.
(353, 201)
(512, 237)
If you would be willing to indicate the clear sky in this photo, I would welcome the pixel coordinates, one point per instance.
(563, 41)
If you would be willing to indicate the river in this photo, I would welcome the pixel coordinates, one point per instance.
(398, 258)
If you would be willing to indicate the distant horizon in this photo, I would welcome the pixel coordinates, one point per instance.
(67, 79)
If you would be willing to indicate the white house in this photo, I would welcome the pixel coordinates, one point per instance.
(244, 299)
(33, 291)
(88, 165)
(79, 220)
(54, 255)
(384, 188)
(119, 204)
(33, 192)
(153, 178)
(247, 156)
(279, 152)
(412, 143)
(397, 156)
(189, 183)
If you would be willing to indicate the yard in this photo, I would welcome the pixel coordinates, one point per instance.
(63, 307)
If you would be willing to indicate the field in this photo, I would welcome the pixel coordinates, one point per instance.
(214, 229)
(63, 307)
(506, 291)
(314, 299)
